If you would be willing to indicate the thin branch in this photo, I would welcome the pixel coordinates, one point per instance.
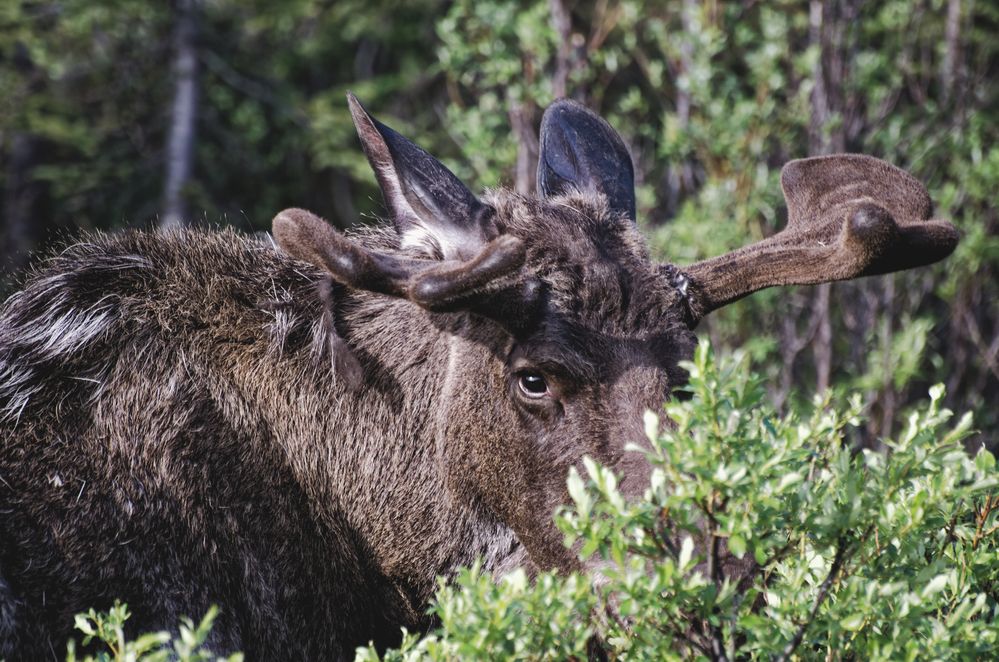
(717, 645)
(777, 555)
(247, 86)
(716, 638)
(950, 67)
(981, 517)
(675, 630)
(521, 115)
(837, 564)
(950, 537)
(660, 534)
(975, 333)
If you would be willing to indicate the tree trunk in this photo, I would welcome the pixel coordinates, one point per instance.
(522, 122)
(829, 22)
(950, 68)
(183, 115)
(562, 22)
(19, 196)
(823, 101)
(683, 100)
(20, 229)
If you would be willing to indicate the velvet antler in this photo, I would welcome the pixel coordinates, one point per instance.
(439, 285)
(849, 215)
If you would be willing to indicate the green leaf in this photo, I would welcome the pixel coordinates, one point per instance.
(577, 490)
(984, 460)
(853, 622)
(788, 479)
(936, 585)
(82, 623)
(737, 545)
(686, 553)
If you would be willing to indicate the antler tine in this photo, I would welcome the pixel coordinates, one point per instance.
(311, 239)
(435, 285)
(849, 216)
(447, 285)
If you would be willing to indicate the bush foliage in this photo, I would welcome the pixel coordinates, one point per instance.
(107, 629)
(847, 553)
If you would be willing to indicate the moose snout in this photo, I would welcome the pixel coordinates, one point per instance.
(633, 467)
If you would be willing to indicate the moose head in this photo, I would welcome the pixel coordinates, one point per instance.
(562, 330)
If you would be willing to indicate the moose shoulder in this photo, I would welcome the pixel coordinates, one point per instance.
(308, 436)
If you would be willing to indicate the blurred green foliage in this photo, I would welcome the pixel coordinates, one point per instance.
(711, 97)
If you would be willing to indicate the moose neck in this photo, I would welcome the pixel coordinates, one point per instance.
(370, 459)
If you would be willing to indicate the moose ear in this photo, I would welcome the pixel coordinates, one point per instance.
(430, 207)
(580, 150)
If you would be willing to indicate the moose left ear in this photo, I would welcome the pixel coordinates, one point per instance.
(579, 149)
(430, 207)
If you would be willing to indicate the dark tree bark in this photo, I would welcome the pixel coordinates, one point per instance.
(522, 122)
(823, 104)
(571, 50)
(950, 69)
(829, 24)
(571, 53)
(19, 196)
(183, 115)
(685, 170)
(19, 230)
(562, 22)
(832, 113)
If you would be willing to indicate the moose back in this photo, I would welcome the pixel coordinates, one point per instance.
(309, 434)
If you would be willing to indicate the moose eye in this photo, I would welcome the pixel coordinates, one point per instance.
(533, 385)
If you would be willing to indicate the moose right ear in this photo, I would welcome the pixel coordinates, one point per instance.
(430, 207)
(580, 150)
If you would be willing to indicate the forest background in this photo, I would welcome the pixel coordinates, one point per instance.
(123, 113)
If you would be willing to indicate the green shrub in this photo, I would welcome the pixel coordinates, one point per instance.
(850, 553)
(109, 628)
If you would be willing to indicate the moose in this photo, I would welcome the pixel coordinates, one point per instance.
(308, 432)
